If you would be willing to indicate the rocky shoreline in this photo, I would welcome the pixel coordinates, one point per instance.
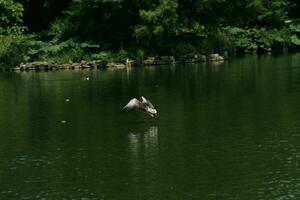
(95, 64)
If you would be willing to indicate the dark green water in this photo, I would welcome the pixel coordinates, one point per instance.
(226, 131)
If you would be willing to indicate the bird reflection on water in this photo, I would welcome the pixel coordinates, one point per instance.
(143, 144)
(144, 157)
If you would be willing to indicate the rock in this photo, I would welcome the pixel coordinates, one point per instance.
(200, 58)
(192, 58)
(85, 66)
(22, 65)
(116, 65)
(75, 66)
(221, 58)
(167, 59)
(150, 61)
(216, 57)
(213, 57)
(50, 66)
(162, 60)
(16, 68)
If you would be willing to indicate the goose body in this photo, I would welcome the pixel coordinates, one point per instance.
(140, 106)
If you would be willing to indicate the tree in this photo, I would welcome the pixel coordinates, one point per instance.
(159, 21)
(38, 14)
(105, 21)
(11, 14)
(294, 8)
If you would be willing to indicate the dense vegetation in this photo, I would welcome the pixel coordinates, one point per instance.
(71, 30)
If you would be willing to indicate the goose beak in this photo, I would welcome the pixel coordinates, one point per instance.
(152, 113)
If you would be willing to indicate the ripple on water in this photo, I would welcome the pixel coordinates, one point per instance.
(283, 180)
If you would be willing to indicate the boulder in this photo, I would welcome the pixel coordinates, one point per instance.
(150, 61)
(116, 65)
(216, 57)
(162, 60)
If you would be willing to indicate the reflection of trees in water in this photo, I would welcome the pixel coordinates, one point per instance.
(144, 155)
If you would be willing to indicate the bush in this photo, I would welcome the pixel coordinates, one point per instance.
(67, 51)
(11, 14)
(17, 49)
(109, 56)
(263, 40)
(11, 52)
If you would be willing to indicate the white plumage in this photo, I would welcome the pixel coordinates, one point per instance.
(144, 106)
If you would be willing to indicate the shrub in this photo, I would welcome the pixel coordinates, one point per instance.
(17, 49)
(11, 52)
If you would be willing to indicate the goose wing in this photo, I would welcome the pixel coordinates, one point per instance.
(133, 104)
(147, 102)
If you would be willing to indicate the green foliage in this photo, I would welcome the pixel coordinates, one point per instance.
(295, 40)
(120, 29)
(106, 22)
(250, 40)
(140, 55)
(108, 56)
(241, 39)
(67, 51)
(157, 22)
(295, 27)
(26, 49)
(218, 41)
(263, 39)
(11, 14)
(183, 48)
(11, 53)
(193, 28)
(295, 33)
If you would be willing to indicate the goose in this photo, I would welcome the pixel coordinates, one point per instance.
(145, 106)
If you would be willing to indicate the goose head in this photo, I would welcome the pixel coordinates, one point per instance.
(148, 107)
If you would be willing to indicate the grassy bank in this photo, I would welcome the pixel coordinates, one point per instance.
(22, 48)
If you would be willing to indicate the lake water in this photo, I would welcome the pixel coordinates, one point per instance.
(224, 131)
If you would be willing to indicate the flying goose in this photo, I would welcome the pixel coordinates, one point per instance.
(144, 106)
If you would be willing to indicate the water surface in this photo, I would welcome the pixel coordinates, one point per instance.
(224, 131)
